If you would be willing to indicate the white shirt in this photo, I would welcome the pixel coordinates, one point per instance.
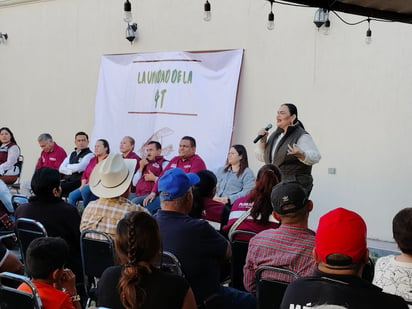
(7, 168)
(67, 169)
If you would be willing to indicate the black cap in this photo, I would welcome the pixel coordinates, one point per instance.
(288, 193)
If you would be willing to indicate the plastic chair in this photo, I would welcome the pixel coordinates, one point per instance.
(239, 252)
(18, 199)
(269, 292)
(10, 297)
(170, 263)
(26, 231)
(97, 255)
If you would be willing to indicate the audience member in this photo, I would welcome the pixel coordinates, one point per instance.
(58, 217)
(341, 254)
(136, 283)
(204, 206)
(52, 155)
(73, 166)
(55, 284)
(289, 246)
(9, 261)
(101, 151)
(253, 212)
(110, 181)
(235, 179)
(9, 169)
(187, 160)
(149, 170)
(393, 273)
(197, 245)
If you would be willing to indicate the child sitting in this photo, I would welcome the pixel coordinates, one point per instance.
(56, 285)
(393, 273)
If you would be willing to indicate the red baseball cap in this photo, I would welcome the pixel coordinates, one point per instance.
(341, 231)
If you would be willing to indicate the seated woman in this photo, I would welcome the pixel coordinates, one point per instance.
(253, 212)
(136, 283)
(101, 150)
(235, 179)
(203, 204)
(9, 170)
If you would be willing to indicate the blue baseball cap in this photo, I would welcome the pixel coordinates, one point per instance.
(175, 183)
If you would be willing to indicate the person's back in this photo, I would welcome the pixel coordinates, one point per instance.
(393, 273)
(59, 218)
(341, 253)
(45, 261)
(289, 246)
(138, 245)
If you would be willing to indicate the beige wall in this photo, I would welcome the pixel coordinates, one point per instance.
(353, 98)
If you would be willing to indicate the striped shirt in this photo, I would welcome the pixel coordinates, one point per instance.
(288, 246)
(103, 214)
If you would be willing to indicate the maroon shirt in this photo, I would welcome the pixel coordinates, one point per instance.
(53, 158)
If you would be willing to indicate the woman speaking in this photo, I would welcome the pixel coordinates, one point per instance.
(290, 148)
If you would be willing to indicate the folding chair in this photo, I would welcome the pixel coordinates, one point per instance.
(239, 252)
(26, 231)
(10, 297)
(170, 263)
(18, 199)
(97, 255)
(16, 185)
(269, 292)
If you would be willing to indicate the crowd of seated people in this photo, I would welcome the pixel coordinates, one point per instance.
(175, 204)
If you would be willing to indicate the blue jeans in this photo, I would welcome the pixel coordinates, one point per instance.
(139, 199)
(154, 205)
(81, 194)
(5, 197)
(235, 299)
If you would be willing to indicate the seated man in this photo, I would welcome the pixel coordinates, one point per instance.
(197, 245)
(52, 155)
(58, 218)
(110, 181)
(393, 273)
(187, 160)
(204, 206)
(289, 246)
(150, 167)
(45, 261)
(73, 166)
(341, 254)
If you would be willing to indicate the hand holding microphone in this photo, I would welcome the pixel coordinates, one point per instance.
(268, 127)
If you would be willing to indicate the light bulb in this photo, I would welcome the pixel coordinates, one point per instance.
(368, 39)
(326, 27)
(271, 21)
(128, 17)
(207, 15)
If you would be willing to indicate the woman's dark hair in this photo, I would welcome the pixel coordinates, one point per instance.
(294, 111)
(244, 163)
(44, 180)
(402, 230)
(204, 188)
(137, 240)
(12, 139)
(268, 176)
(105, 144)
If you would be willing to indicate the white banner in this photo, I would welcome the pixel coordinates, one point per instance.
(167, 95)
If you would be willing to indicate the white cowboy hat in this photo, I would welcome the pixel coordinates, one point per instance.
(112, 176)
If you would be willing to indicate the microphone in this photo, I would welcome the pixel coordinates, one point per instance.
(268, 127)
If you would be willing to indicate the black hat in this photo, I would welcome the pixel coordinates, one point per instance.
(290, 194)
